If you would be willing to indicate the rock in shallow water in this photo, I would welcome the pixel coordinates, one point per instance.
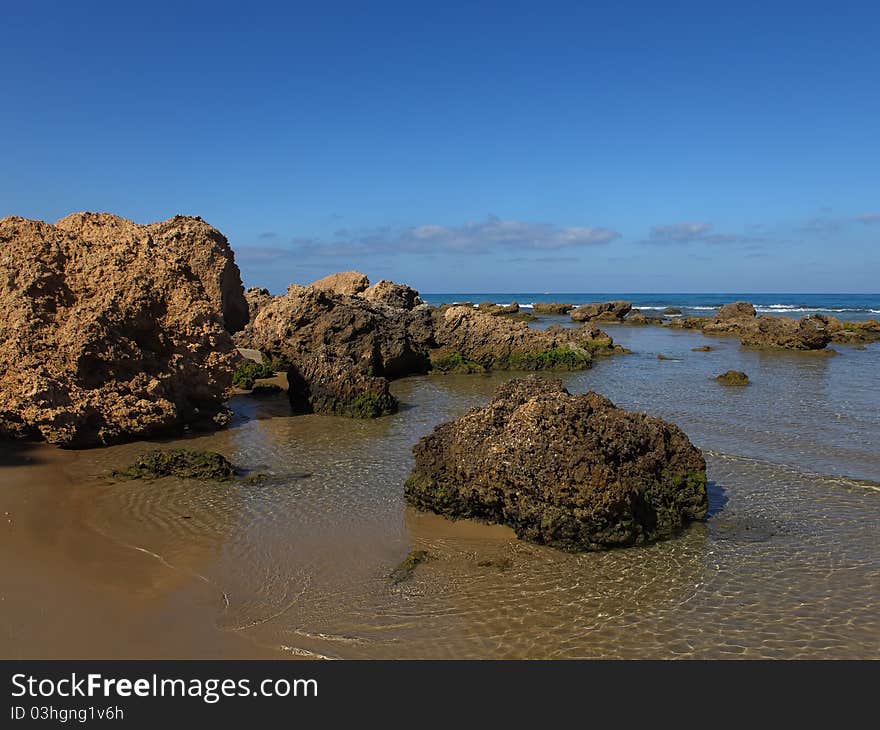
(180, 463)
(571, 471)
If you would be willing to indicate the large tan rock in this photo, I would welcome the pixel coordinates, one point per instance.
(785, 333)
(345, 282)
(200, 246)
(601, 311)
(394, 295)
(468, 339)
(110, 331)
(735, 310)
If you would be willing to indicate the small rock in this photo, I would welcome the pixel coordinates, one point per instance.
(733, 377)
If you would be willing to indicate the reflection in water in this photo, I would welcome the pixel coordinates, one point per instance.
(786, 565)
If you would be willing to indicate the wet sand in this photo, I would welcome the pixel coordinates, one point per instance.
(786, 565)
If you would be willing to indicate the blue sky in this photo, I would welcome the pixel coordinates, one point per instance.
(465, 147)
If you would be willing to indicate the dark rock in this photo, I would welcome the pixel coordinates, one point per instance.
(324, 382)
(733, 377)
(412, 561)
(264, 389)
(704, 348)
(671, 310)
(571, 471)
(180, 463)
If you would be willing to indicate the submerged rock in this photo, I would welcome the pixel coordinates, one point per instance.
(571, 471)
(733, 377)
(601, 311)
(180, 463)
(405, 570)
(704, 348)
(111, 330)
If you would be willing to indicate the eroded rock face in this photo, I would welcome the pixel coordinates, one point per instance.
(394, 295)
(324, 382)
(256, 298)
(570, 471)
(343, 349)
(344, 282)
(111, 331)
(808, 333)
(202, 247)
(345, 344)
(601, 311)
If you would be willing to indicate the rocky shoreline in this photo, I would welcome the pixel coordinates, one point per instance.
(114, 331)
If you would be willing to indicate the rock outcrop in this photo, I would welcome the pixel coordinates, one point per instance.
(765, 332)
(110, 330)
(256, 299)
(736, 310)
(570, 471)
(768, 332)
(468, 340)
(344, 282)
(601, 311)
(852, 333)
(343, 349)
(394, 295)
(322, 381)
(552, 308)
(201, 247)
(733, 377)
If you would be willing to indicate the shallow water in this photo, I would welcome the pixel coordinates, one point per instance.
(786, 565)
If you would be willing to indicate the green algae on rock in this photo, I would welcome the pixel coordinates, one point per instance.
(248, 372)
(412, 561)
(180, 463)
(570, 471)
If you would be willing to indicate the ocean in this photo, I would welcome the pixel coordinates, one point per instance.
(853, 307)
